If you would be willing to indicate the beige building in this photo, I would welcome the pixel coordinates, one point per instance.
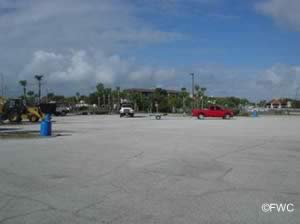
(279, 104)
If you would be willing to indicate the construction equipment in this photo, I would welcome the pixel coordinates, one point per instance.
(33, 114)
(15, 111)
(11, 109)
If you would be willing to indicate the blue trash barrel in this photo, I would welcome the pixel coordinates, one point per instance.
(254, 113)
(46, 126)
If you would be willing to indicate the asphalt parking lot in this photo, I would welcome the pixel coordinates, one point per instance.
(106, 169)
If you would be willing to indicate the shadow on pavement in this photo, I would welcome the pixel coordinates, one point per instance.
(9, 129)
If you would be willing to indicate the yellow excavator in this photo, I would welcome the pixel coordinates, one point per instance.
(15, 110)
(33, 114)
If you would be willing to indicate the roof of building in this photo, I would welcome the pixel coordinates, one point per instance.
(277, 102)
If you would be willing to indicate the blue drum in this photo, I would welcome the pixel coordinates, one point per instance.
(46, 126)
(254, 113)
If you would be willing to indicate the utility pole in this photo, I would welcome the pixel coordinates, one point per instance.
(193, 89)
(119, 100)
(193, 84)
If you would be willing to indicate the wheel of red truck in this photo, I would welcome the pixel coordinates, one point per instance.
(201, 116)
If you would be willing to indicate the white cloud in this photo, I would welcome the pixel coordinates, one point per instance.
(276, 81)
(66, 23)
(98, 32)
(284, 12)
(279, 80)
(42, 61)
(81, 68)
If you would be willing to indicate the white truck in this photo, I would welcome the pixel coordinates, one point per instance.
(126, 110)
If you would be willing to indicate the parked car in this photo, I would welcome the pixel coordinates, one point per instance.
(62, 110)
(213, 111)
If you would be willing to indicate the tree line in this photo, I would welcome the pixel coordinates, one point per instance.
(159, 100)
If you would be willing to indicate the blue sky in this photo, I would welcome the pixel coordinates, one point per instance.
(240, 48)
(232, 34)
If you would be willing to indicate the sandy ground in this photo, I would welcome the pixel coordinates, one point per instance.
(106, 169)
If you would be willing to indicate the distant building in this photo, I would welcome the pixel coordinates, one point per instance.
(278, 104)
(147, 92)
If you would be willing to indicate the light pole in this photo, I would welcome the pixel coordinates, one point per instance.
(193, 84)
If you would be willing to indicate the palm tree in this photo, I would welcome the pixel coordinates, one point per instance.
(39, 79)
(23, 83)
(100, 87)
(183, 95)
(201, 95)
(116, 98)
(197, 88)
(118, 88)
(30, 93)
(107, 95)
(30, 97)
(100, 93)
(77, 96)
(203, 90)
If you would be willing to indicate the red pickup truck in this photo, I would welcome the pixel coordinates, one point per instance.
(212, 111)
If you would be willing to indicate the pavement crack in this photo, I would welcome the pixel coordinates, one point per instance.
(120, 165)
(23, 215)
(225, 174)
(206, 193)
(8, 173)
(89, 206)
(236, 189)
(49, 206)
(6, 203)
(137, 155)
(243, 149)
(120, 188)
